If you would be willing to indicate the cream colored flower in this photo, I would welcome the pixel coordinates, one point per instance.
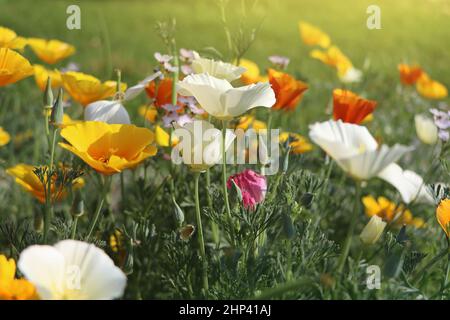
(426, 129)
(373, 230)
(217, 69)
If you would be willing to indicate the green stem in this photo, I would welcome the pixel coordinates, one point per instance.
(98, 210)
(48, 194)
(74, 227)
(201, 242)
(224, 179)
(354, 218)
(289, 260)
(214, 227)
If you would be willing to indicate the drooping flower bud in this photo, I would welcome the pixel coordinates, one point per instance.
(373, 230)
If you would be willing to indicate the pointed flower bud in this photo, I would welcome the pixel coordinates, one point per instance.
(58, 109)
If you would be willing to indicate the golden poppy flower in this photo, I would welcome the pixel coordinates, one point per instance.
(4, 137)
(51, 51)
(351, 108)
(85, 88)
(13, 67)
(390, 212)
(149, 113)
(443, 215)
(160, 92)
(9, 39)
(429, 88)
(41, 75)
(288, 90)
(163, 138)
(334, 57)
(24, 175)
(298, 143)
(12, 288)
(247, 122)
(252, 75)
(109, 148)
(312, 35)
(409, 74)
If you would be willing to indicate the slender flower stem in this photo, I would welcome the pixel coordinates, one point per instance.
(201, 242)
(224, 178)
(74, 227)
(48, 194)
(354, 218)
(214, 227)
(98, 210)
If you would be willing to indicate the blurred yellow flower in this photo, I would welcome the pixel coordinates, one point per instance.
(85, 88)
(429, 88)
(333, 56)
(148, 112)
(252, 75)
(13, 67)
(443, 215)
(312, 35)
(109, 148)
(24, 176)
(11, 288)
(9, 39)
(4, 137)
(390, 212)
(249, 121)
(298, 143)
(163, 138)
(41, 75)
(51, 51)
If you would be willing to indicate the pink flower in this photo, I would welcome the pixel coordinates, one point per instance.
(253, 187)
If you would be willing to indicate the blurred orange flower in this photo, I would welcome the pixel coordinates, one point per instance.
(409, 74)
(160, 92)
(430, 88)
(85, 88)
(288, 90)
(109, 148)
(351, 108)
(312, 35)
(13, 67)
(51, 51)
(12, 288)
(443, 215)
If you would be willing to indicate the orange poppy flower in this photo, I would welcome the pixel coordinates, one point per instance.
(288, 90)
(161, 92)
(409, 74)
(443, 215)
(351, 108)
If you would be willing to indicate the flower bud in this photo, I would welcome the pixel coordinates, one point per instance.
(426, 130)
(373, 230)
(77, 209)
(57, 114)
(48, 94)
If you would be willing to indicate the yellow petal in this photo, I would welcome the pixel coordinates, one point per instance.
(443, 215)
(13, 67)
(51, 51)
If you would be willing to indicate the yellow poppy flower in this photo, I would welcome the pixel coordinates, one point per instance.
(148, 112)
(298, 144)
(163, 138)
(247, 122)
(443, 215)
(390, 212)
(334, 57)
(51, 51)
(109, 148)
(13, 67)
(430, 89)
(312, 35)
(9, 39)
(252, 75)
(41, 75)
(4, 137)
(24, 175)
(85, 88)
(11, 288)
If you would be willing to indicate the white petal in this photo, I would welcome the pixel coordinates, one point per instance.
(106, 111)
(237, 101)
(369, 164)
(217, 69)
(352, 75)
(135, 90)
(410, 185)
(100, 279)
(426, 129)
(44, 266)
(342, 140)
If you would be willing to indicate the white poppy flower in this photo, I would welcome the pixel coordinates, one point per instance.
(351, 75)
(72, 270)
(106, 111)
(135, 90)
(200, 145)
(217, 69)
(426, 130)
(410, 185)
(218, 97)
(373, 230)
(354, 149)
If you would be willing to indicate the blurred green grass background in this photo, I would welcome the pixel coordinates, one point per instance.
(121, 34)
